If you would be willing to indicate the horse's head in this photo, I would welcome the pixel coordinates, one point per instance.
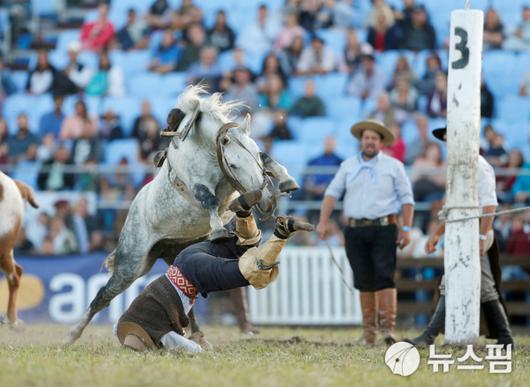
(205, 122)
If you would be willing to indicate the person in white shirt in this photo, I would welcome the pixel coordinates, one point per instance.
(316, 59)
(258, 38)
(490, 299)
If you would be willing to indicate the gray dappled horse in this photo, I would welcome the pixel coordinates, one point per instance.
(209, 159)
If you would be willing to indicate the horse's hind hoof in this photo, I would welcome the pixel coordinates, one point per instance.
(220, 234)
(288, 186)
(17, 326)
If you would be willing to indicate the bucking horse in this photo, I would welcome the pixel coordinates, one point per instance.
(210, 160)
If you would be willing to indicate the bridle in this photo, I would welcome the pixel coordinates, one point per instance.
(223, 135)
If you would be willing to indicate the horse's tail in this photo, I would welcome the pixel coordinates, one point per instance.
(27, 193)
(109, 261)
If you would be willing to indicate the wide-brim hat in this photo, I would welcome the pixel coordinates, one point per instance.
(440, 133)
(376, 126)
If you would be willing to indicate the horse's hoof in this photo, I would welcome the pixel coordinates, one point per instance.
(288, 186)
(72, 337)
(219, 234)
(17, 326)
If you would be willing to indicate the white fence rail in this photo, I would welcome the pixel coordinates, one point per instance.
(308, 291)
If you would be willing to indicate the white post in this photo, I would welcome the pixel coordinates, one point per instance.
(462, 261)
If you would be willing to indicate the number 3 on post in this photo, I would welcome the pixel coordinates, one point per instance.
(462, 47)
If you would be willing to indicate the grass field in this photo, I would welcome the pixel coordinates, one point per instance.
(276, 357)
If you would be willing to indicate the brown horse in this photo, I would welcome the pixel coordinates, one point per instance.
(12, 196)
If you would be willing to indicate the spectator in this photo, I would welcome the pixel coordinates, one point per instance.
(380, 7)
(191, 51)
(418, 145)
(20, 143)
(315, 184)
(310, 104)
(51, 122)
(290, 57)
(133, 35)
(437, 100)
(270, 68)
(519, 39)
(40, 79)
(524, 89)
(382, 35)
(150, 142)
(289, 32)
(493, 30)
(206, 70)
(404, 97)
(419, 34)
(221, 36)
(487, 102)
(496, 154)
(521, 187)
(98, 35)
(519, 240)
(139, 127)
(107, 80)
(75, 76)
(84, 225)
(38, 229)
(325, 14)
(47, 148)
(425, 85)
(166, 54)
(87, 146)
(505, 182)
(4, 137)
(7, 86)
(109, 126)
(275, 96)
(404, 17)
(243, 89)
(316, 59)
(74, 125)
(157, 16)
(428, 176)
(402, 71)
(351, 55)
(280, 128)
(189, 14)
(53, 176)
(63, 238)
(257, 38)
(368, 80)
(398, 149)
(384, 111)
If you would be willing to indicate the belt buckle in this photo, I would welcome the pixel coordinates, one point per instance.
(383, 221)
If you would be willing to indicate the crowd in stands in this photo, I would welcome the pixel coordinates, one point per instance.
(299, 65)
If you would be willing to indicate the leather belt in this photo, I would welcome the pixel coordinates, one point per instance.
(364, 222)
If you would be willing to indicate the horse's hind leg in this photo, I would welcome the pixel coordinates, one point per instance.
(287, 182)
(122, 277)
(12, 272)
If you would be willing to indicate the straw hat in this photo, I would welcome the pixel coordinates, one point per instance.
(376, 126)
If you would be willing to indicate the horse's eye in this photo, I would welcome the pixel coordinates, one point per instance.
(233, 166)
(225, 141)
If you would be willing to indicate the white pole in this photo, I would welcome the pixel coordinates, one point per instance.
(462, 261)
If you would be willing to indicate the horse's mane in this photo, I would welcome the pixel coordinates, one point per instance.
(210, 103)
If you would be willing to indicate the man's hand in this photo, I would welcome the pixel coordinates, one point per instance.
(323, 230)
(430, 245)
(403, 239)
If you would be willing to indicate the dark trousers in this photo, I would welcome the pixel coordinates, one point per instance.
(371, 251)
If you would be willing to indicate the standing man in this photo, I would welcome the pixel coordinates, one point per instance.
(376, 188)
(490, 300)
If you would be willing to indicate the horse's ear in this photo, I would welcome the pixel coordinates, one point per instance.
(246, 124)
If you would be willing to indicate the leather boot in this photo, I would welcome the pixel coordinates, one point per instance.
(498, 322)
(369, 311)
(243, 203)
(239, 300)
(387, 300)
(433, 328)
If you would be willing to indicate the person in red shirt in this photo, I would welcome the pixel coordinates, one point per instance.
(97, 35)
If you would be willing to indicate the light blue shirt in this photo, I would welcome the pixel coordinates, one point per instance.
(374, 188)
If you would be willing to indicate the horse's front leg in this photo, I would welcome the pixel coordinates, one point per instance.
(287, 182)
(210, 202)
